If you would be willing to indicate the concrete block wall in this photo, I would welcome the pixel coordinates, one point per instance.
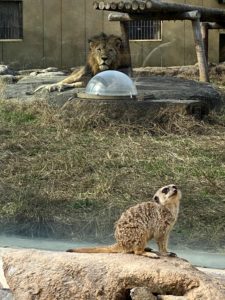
(56, 33)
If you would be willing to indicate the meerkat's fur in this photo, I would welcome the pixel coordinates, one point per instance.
(143, 222)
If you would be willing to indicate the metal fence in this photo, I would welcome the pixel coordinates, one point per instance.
(145, 30)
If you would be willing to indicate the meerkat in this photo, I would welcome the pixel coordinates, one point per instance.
(142, 223)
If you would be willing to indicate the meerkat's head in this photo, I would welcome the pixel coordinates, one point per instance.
(167, 194)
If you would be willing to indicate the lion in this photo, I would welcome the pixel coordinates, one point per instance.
(106, 52)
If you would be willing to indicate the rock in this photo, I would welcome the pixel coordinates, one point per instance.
(9, 79)
(170, 297)
(3, 283)
(217, 275)
(51, 71)
(23, 90)
(140, 293)
(43, 275)
(6, 294)
(154, 93)
(47, 74)
(27, 72)
(5, 70)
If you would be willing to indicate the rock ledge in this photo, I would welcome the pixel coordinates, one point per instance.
(42, 275)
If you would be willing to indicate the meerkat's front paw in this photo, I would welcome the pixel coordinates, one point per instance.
(148, 249)
(169, 254)
(151, 255)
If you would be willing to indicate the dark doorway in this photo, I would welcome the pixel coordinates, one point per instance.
(222, 48)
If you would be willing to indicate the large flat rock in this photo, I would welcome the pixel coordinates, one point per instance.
(33, 274)
(151, 89)
(24, 88)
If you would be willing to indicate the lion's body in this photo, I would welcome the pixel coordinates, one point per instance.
(106, 52)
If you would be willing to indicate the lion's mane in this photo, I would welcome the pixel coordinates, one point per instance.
(106, 52)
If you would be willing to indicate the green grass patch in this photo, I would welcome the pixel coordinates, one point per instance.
(15, 116)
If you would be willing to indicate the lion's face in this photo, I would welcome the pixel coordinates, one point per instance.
(105, 53)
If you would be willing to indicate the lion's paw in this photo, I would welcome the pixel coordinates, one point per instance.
(55, 87)
(50, 88)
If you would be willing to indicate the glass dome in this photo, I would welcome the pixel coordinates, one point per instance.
(111, 83)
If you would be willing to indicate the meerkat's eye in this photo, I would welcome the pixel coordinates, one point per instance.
(165, 190)
(174, 187)
(156, 199)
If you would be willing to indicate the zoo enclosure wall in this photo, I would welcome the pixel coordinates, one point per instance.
(55, 33)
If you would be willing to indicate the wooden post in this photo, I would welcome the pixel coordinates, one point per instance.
(125, 37)
(199, 46)
(205, 38)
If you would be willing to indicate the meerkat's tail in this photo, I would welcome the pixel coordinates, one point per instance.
(107, 249)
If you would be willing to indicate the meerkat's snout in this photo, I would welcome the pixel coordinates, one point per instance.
(174, 189)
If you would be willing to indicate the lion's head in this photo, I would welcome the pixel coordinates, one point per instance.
(106, 53)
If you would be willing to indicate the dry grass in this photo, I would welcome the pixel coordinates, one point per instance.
(216, 72)
(67, 175)
(69, 172)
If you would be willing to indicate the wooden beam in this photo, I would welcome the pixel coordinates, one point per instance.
(120, 5)
(214, 25)
(101, 5)
(200, 51)
(113, 5)
(164, 10)
(127, 5)
(120, 17)
(124, 17)
(156, 5)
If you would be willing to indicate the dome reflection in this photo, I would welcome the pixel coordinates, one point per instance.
(111, 83)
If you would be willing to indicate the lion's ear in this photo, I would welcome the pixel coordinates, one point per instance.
(91, 43)
(119, 43)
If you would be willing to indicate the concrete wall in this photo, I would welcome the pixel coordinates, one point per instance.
(56, 34)
(177, 45)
